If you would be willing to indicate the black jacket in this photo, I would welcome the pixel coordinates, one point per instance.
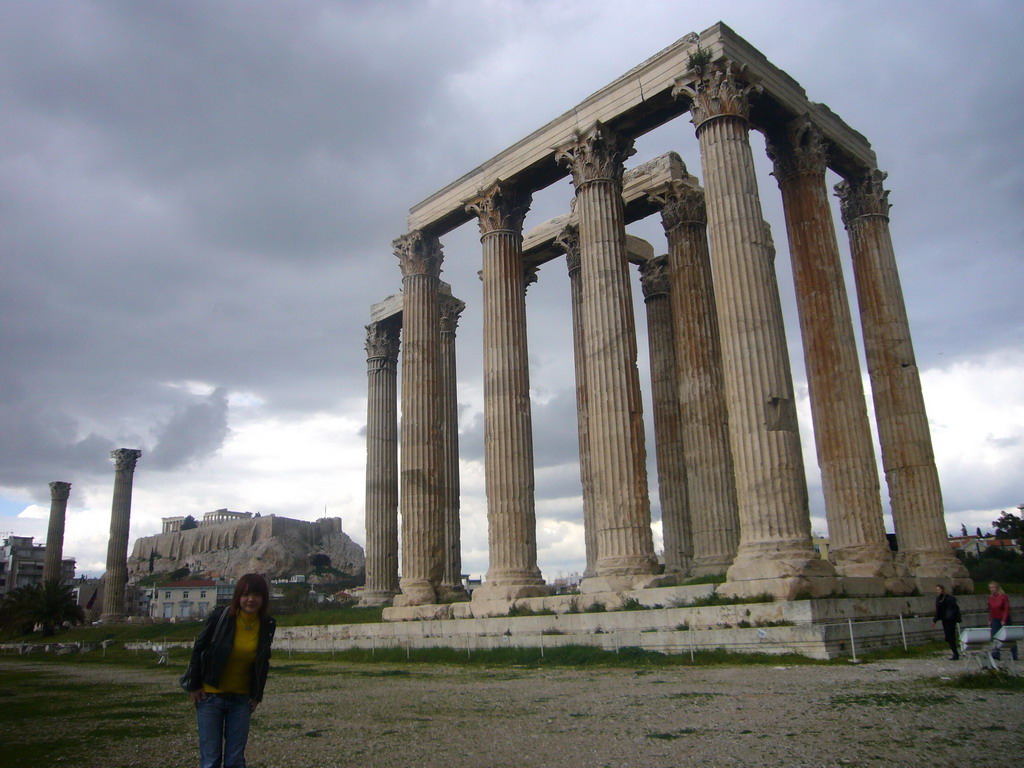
(947, 609)
(210, 654)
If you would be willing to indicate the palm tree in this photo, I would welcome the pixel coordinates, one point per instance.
(47, 606)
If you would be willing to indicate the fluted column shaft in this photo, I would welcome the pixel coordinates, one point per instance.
(668, 418)
(775, 552)
(508, 427)
(569, 239)
(842, 435)
(117, 545)
(710, 477)
(625, 549)
(382, 344)
(59, 493)
(907, 456)
(451, 581)
(422, 446)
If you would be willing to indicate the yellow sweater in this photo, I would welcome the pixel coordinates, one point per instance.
(238, 669)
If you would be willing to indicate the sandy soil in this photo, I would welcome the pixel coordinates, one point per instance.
(318, 715)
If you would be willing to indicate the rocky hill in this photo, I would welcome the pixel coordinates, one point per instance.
(272, 545)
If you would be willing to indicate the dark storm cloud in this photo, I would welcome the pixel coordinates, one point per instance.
(192, 433)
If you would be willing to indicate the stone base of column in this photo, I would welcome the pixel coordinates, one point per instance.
(375, 599)
(627, 583)
(112, 618)
(509, 592)
(710, 566)
(415, 593)
(938, 564)
(876, 586)
(926, 585)
(867, 561)
(785, 572)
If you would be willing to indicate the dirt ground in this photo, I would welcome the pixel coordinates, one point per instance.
(320, 715)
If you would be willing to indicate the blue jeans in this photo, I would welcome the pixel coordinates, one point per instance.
(223, 721)
(995, 626)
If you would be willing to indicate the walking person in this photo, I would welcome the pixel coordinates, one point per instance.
(228, 671)
(998, 616)
(948, 612)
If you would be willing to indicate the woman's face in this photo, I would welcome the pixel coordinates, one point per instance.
(992, 587)
(250, 602)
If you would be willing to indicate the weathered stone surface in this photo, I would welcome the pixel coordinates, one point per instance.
(272, 545)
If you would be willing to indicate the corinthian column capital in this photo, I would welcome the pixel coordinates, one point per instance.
(569, 241)
(864, 196)
(596, 154)
(125, 458)
(798, 150)
(451, 311)
(654, 277)
(382, 341)
(502, 206)
(717, 91)
(60, 491)
(680, 204)
(419, 253)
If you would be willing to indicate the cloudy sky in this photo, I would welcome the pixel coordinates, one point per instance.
(197, 202)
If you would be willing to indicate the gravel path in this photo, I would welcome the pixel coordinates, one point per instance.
(319, 715)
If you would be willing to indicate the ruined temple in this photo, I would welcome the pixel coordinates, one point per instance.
(227, 545)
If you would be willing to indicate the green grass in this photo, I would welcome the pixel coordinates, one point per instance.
(988, 680)
(47, 719)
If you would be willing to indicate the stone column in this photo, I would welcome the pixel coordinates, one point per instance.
(842, 436)
(59, 493)
(907, 456)
(569, 240)
(116, 578)
(625, 551)
(711, 483)
(382, 343)
(422, 444)
(508, 428)
(775, 552)
(451, 581)
(668, 417)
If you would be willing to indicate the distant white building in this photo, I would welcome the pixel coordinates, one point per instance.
(21, 564)
(188, 599)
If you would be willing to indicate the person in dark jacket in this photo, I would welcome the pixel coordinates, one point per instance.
(948, 612)
(228, 671)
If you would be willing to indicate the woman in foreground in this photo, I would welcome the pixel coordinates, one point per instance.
(228, 671)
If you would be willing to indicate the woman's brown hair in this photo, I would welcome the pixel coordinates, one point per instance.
(251, 582)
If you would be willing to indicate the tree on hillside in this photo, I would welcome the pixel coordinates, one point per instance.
(1009, 526)
(189, 523)
(47, 606)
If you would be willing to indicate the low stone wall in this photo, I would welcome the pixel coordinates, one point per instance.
(815, 628)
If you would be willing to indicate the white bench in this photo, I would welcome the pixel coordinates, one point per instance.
(978, 643)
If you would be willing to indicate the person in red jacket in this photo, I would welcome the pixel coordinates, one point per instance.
(999, 614)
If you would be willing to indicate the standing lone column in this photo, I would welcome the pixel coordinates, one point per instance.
(451, 581)
(710, 477)
(117, 546)
(59, 493)
(907, 456)
(775, 552)
(382, 343)
(842, 436)
(625, 550)
(668, 427)
(508, 426)
(569, 240)
(422, 445)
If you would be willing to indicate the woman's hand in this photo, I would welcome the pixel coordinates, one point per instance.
(252, 705)
(197, 696)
